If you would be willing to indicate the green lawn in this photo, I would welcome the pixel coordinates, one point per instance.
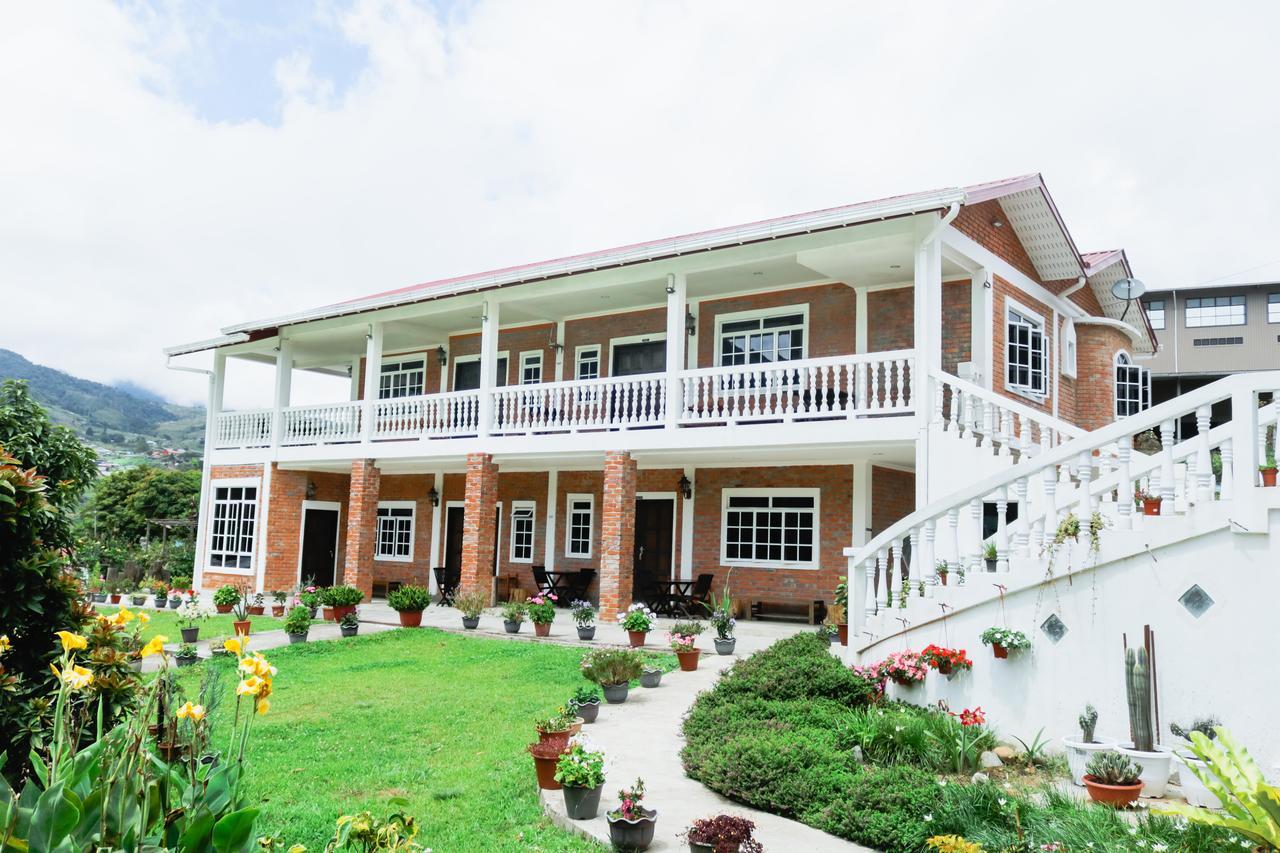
(438, 718)
(166, 622)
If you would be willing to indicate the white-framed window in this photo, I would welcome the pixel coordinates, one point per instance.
(1133, 386)
(522, 523)
(233, 525)
(402, 377)
(770, 527)
(762, 337)
(395, 531)
(1215, 311)
(587, 362)
(1155, 313)
(1067, 348)
(1273, 307)
(1026, 351)
(531, 367)
(577, 530)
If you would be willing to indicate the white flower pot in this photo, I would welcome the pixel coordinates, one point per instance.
(1079, 753)
(1155, 767)
(1192, 788)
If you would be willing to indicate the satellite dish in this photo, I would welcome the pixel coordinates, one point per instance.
(1127, 289)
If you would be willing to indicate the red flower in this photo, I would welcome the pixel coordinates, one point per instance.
(971, 717)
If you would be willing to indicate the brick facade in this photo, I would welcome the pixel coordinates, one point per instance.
(957, 324)
(893, 496)
(617, 533)
(362, 510)
(1003, 292)
(1095, 385)
(891, 318)
(478, 539)
(212, 579)
(832, 317)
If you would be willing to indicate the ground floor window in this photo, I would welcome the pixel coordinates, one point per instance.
(522, 513)
(578, 530)
(770, 527)
(395, 531)
(234, 522)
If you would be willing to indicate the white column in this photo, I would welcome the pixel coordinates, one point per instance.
(355, 379)
(264, 513)
(560, 355)
(676, 291)
(372, 375)
(1244, 444)
(549, 541)
(217, 384)
(860, 320)
(927, 342)
(861, 502)
(284, 379)
(686, 528)
(1167, 485)
(488, 362)
(692, 306)
(437, 517)
(979, 328)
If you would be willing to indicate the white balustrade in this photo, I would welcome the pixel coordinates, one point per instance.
(243, 429)
(324, 424)
(607, 402)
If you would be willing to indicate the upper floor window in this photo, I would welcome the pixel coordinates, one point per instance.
(233, 525)
(588, 366)
(578, 530)
(1025, 353)
(530, 368)
(1155, 313)
(762, 339)
(1273, 307)
(395, 531)
(402, 378)
(1133, 387)
(522, 513)
(1215, 311)
(770, 527)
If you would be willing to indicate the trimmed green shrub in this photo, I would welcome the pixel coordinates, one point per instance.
(884, 807)
(799, 667)
(408, 599)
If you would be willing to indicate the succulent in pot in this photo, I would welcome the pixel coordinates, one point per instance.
(341, 600)
(349, 625)
(1194, 769)
(240, 615)
(722, 833)
(585, 702)
(409, 601)
(1113, 779)
(1079, 751)
(186, 655)
(613, 670)
(584, 616)
(631, 825)
(470, 605)
(541, 609)
(581, 773)
(297, 624)
(225, 598)
(513, 613)
(636, 620)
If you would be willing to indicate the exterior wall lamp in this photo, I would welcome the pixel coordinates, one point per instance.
(434, 496)
(690, 323)
(442, 356)
(686, 487)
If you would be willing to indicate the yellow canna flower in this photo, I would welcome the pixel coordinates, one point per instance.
(250, 686)
(5, 645)
(123, 616)
(262, 706)
(143, 618)
(257, 665)
(234, 645)
(75, 677)
(297, 848)
(71, 642)
(155, 647)
(195, 713)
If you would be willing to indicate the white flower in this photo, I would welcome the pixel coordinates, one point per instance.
(928, 818)
(1160, 847)
(1003, 801)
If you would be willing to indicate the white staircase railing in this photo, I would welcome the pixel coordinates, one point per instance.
(1094, 472)
(994, 420)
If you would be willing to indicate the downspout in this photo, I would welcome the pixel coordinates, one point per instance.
(947, 218)
(1080, 282)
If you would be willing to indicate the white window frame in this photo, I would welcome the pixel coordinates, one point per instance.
(1273, 307)
(1231, 298)
(1012, 306)
(1143, 383)
(1162, 311)
(813, 564)
(252, 554)
(412, 506)
(514, 536)
(527, 360)
(569, 501)
(579, 352)
(761, 314)
(397, 359)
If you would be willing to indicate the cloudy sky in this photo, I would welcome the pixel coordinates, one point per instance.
(169, 168)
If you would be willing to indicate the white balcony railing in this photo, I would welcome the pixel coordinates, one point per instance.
(250, 428)
(435, 415)
(325, 424)
(609, 402)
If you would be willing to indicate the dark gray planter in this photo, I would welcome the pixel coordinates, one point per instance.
(175, 603)
(587, 632)
(651, 678)
(190, 635)
(582, 803)
(186, 661)
(512, 627)
(349, 632)
(313, 611)
(99, 597)
(588, 712)
(632, 835)
(615, 694)
(725, 646)
(471, 622)
(137, 600)
(298, 638)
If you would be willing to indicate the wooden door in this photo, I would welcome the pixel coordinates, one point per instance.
(652, 557)
(319, 545)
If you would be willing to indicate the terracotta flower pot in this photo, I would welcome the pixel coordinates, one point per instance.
(636, 638)
(277, 610)
(223, 608)
(559, 740)
(242, 628)
(942, 577)
(410, 618)
(256, 610)
(1152, 506)
(342, 610)
(114, 598)
(542, 629)
(688, 660)
(545, 757)
(999, 651)
(1116, 796)
(843, 630)
(1268, 476)
(326, 613)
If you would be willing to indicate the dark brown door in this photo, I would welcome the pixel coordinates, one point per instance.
(647, 357)
(319, 545)
(653, 546)
(454, 518)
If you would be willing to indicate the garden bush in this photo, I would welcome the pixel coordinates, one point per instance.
(889, 808)
(799, 667)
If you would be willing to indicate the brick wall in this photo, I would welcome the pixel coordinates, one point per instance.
(513, 342)
(957, 322)
(1004, 291)
(832, 315)
(600, 330)
(893, 496)
(408, 487)
(617, 533)
(891, 319)
(975, 222)
(478, 541)
(211, 579)
(284, 521)
(362, 507)
(1096, 348)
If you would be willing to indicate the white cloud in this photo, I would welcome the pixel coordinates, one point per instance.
(511, 131)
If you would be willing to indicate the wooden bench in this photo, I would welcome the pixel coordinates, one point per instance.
(791, 611)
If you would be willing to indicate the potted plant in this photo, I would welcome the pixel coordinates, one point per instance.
(297, 624)
(1079, 752)
(240, 615)
(943, 568)
(541, 609)
(160, 590)
(636, 620)
(278, 598)
(580, 772)
(556, 728)
(1113, 779)
(513, 613)
(907, 669)
(1196, 769)
(613, 670)
(350, 624)
(545, 757)
(584, 616)
(650, 675)
(722, 834)
(190, 615)
(257, 606)
(218, 648)
(1004, 640)
(1154, 760)
(1147, 502)
(225, 598)
(186, 655)
(115, 587)
(139, 596)
(175, 597)
(946, 661)
(309, 597)
(343, 600)
(470, 605)
(722, 620)
(683, 639)
(586, 703)
(631, 825)
(990, 555)
(1268, 470)
(842, 600)
(409, 601)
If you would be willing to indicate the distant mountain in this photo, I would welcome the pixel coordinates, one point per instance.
(124, 417)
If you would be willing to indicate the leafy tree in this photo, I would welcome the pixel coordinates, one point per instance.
(123, 501)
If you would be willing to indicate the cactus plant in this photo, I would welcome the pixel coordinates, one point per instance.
(1088, 723)
(1206, 726)
(1112, 768)
(1138, 690)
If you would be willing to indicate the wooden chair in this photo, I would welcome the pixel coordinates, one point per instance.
(699, 601)
(447, 586)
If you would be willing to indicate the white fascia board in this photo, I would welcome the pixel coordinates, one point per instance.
(210, 343)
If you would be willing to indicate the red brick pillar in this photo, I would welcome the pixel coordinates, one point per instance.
(479, 538)
(617, 533)
(362, 526)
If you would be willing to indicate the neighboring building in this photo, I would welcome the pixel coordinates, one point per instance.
(752, 399)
